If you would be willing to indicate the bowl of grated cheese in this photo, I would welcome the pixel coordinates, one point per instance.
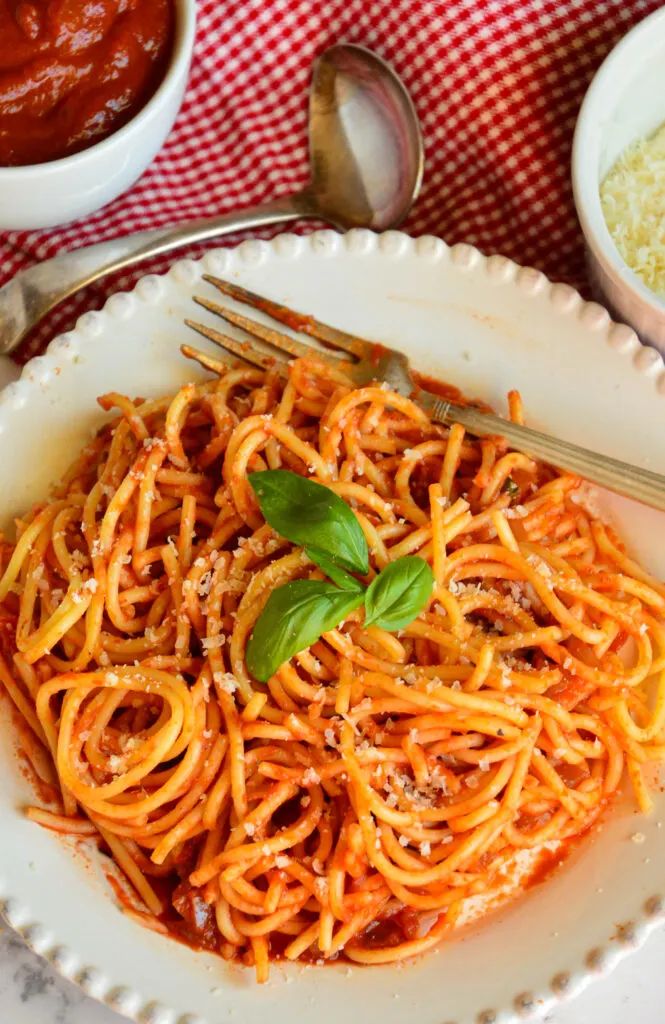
(618, 171)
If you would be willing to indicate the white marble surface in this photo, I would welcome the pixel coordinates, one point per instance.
(32, 993)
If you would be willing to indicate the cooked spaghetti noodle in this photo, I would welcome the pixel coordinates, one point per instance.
(353, 804)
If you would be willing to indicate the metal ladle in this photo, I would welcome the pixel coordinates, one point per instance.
(366, 155)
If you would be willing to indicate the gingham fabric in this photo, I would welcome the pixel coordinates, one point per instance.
(497, 85)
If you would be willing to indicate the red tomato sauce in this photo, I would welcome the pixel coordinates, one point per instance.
(74, 71)
(448, 391)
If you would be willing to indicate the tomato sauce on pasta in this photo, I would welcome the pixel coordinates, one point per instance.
(351, 805)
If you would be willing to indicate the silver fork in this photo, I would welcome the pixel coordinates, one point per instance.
(367, 361)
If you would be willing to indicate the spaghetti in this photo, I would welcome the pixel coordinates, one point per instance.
(354, 803)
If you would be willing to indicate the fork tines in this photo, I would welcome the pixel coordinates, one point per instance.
(269, 336)
(296, 321)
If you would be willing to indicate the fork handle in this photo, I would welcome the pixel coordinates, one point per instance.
(631, 481)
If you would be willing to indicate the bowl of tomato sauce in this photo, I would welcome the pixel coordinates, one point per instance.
(89, 91)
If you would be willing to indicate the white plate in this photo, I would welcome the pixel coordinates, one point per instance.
(487, 326)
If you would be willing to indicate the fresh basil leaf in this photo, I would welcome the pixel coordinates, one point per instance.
(308, 513)
(337, 575)
(511, 488)
(294, 618)
(398, 593)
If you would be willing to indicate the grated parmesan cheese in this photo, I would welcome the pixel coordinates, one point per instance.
(225, 681)
(633, 201)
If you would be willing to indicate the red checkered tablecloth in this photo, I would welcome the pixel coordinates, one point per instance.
(497, 85)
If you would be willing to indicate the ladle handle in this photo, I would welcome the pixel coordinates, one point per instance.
(33, 292)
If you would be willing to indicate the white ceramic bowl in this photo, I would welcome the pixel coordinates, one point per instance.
(625, 101)
(485, 325)
(43, 195)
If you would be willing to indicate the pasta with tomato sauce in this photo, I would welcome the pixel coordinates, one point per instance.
(352, 804)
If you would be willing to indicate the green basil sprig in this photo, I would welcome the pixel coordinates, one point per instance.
(399, 593)
(297, 613)
(309, 514)
(337, 575)
(294, 618)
